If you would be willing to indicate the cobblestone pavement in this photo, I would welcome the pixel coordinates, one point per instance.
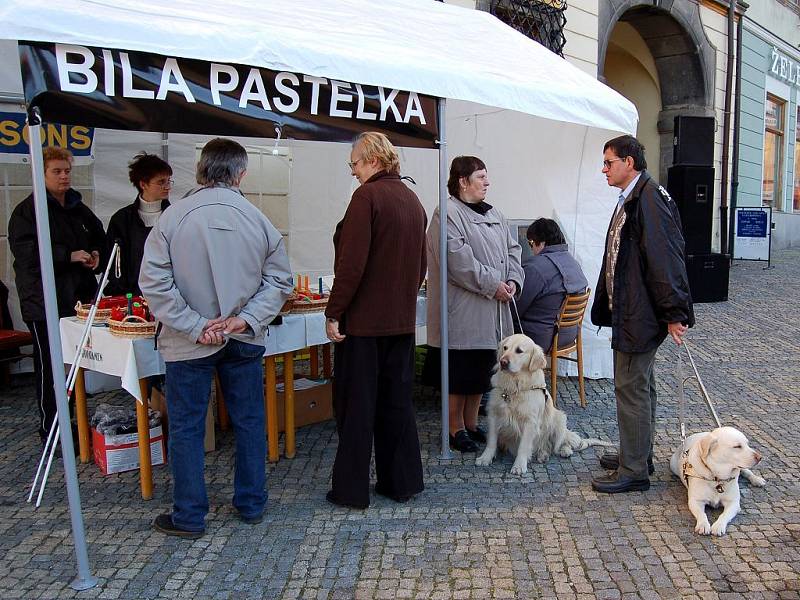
(474, 532)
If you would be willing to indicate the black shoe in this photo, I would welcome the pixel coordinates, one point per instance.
(610, 461)
(462, 442)
(403, 498)
(333, 500)
(477, 435)
(251, 520)
(164, 524)
(618, 484)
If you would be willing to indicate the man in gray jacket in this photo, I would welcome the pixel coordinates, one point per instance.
(214, 273)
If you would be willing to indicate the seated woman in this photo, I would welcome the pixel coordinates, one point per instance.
(550, 274)
(130, 225)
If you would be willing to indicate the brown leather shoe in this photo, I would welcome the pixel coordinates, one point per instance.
(164, 524)
(619, 484)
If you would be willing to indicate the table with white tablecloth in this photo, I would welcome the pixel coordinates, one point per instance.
(133, 360)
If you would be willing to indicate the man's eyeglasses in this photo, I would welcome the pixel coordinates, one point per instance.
(607, 163)
(164, 183)
(353, 164)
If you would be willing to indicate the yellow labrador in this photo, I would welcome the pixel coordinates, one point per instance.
(521, 416)
(709, 464)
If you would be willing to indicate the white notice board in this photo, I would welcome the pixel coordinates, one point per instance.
(753, 231)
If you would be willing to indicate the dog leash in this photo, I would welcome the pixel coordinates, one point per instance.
(681, 398)
(500, 317)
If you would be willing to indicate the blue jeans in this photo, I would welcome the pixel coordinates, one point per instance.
(240, 368)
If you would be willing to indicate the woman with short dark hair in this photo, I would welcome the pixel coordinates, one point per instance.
(130, 226)
(550, 274)
(484, 274)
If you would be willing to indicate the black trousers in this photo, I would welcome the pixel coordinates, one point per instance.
(43, 373)
(373, 388)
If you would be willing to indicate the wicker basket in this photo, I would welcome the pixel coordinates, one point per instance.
(82, 311)
(287, 306)
(305, 305)
(132, 326)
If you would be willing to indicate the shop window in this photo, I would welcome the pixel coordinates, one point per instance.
(540, 20)
(772, 181)
(796, 195)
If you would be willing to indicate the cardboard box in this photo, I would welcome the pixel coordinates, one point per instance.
(313, 402)
(118, 453)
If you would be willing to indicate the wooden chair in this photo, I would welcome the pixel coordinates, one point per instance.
(11, 340)
(570, 315)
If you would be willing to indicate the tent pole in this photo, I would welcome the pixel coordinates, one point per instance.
(446, 452)
(84, 580)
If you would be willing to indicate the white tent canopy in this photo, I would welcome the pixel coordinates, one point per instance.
(416, 45)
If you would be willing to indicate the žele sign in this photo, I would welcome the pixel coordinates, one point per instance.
(784, 68)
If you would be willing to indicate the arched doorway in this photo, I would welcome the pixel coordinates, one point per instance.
(660, 59)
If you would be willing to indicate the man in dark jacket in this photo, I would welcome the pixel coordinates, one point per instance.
(379, 266)
(643, 295)
(78, 244)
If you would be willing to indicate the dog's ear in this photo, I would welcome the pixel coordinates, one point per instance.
(706, 445)
(538, 360)
(500, 346)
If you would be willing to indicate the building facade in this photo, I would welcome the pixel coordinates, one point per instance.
(769, 160)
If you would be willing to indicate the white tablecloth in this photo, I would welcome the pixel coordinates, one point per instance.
(127, 358)
(131, 359)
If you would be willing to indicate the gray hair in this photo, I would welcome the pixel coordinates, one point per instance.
(222, 161)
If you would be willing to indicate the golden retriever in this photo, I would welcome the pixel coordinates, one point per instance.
(709, 464)
(521, 416)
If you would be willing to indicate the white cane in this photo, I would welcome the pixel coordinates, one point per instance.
(50, 444)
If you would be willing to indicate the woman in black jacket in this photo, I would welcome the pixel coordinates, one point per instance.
(151, 176)
(78, 243)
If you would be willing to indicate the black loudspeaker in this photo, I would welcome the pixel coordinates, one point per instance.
(692, 188)
(708, 276)
(693, 141)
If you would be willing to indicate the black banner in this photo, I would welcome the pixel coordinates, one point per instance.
(117, 89)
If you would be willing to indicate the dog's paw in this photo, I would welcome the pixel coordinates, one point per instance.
(484, 460)
(519, 468)
(719, 528)
(565, 451)
(758, 481)
(703, 527)
(542, 458)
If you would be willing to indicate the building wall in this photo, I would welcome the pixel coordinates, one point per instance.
(751, 128)
(761, 47)
(581, 32)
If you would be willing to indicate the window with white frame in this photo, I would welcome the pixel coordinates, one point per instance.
(774, 125)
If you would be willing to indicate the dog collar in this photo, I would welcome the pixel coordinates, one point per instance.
(687, 467)
(506, 396)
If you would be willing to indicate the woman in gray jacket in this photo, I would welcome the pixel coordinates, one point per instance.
(484, 274)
